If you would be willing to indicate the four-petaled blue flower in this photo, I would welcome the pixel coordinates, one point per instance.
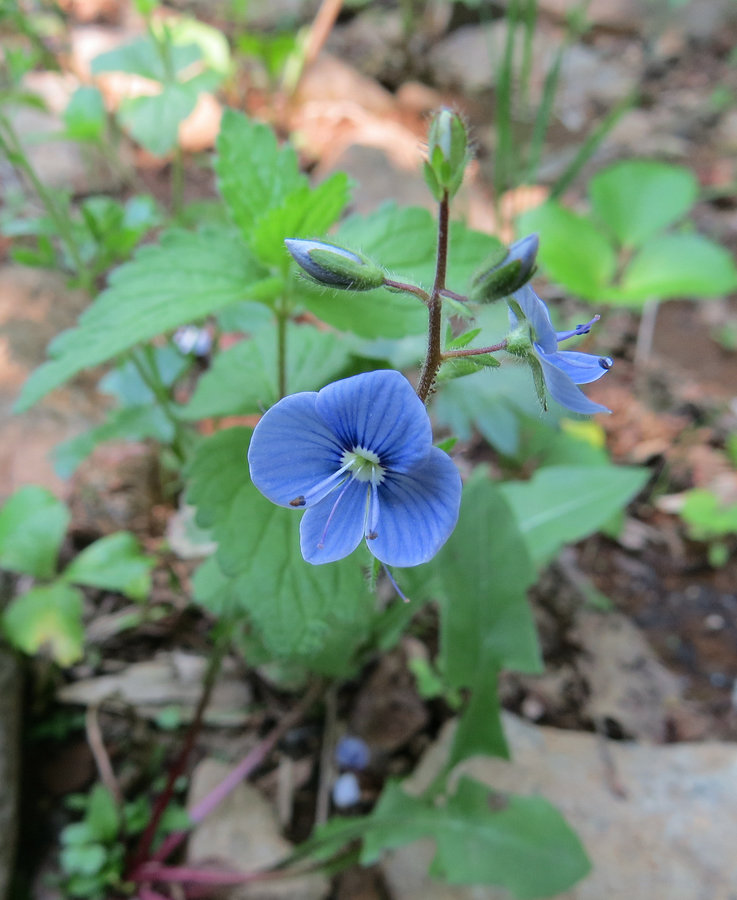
(358, 456)
(562, 370)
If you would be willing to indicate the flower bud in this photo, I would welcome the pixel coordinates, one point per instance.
(447, 153)
(501, 278)
(335, 266)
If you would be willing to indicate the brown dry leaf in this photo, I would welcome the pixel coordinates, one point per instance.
(634, 432)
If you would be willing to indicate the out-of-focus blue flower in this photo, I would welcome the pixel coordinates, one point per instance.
(562, 370)
(352, 753)
(346, 790)
(358, 456)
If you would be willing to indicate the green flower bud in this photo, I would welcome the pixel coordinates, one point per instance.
(447, 153)
(335, 266)
(500, 278)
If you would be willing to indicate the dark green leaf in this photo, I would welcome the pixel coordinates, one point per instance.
(181, 280)
(479, 730)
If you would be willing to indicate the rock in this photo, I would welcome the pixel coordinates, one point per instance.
(171, 679)
(242, 833)
(657, 821)
(10, 684)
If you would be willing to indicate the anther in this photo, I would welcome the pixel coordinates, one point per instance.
(298, 501)
(606, 362)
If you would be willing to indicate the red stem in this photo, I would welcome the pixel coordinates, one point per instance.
(434, 358)
(474, 351)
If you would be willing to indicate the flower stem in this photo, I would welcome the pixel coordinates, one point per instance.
(453, 296)
(474, 351)
(407, 289)
(434, 357)
(149, 374)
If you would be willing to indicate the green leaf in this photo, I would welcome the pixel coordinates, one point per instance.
(564, 504)
(479, 730)
(304, 213)
(707, 517)
(484, 571)
(254, 174)
(315, 615)
(677, 265)
(114, 563)
(33, 523)
(47, 618)
(181, 280)
(102, 814)
(520, 843)
(154, 120)
(243, 379)
(403, 241)
(86, 859)
(640, 197)
(85, 115)
(142, 57)
(572, 251)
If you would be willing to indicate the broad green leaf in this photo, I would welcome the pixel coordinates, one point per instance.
(572, 251)
(520, 843)
(484, 571)
(403, 241)
(479, 730)
(677, 265)
(114, 563)
(33, 523)
(101, 815)
(85, 115)
(316, 615)
(638, 198)
(254, 174)
(243, 379)
(707, 516)
(47, 619)
(154, 120)
(184, 31)
(563, 504)
(305, 212)
(142, 57)
(181, 280)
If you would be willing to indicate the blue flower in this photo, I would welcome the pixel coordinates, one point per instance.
(358, 456)
(352, 753)
(562, 370)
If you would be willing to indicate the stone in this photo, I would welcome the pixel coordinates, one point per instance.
(657, 821)
(243, 834)
(10, 685)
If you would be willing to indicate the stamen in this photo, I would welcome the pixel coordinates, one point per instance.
(585, 328)
(395, 585)
(298, 501)
(606, 362)
(318, 491)
(321, 542)
(372, 513)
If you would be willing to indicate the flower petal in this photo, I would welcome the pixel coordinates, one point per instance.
(336, 522)
(292, 449)
(563, 390)
(536, 313)
(418, 511)
(378, 411)
(582, 368)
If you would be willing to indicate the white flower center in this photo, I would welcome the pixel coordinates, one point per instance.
(363, 465)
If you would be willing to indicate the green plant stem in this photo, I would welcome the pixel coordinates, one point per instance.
(15, 153)
(434, 358)
(150, 376)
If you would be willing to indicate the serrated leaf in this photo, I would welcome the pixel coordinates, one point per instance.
(114, 563)
(305, 213)
(403, 241)
(563, 504)
(638, 198)
(484, 571)
(572, 250)
(181, 280)
(244, 379)
(49, 619)
(254, 174)
(316, 615)
(521, 843)
(677, 265)
(153, 121)
(33, 523)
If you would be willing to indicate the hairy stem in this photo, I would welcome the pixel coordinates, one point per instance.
(407, 289)
(434, 358)
(474, 351)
